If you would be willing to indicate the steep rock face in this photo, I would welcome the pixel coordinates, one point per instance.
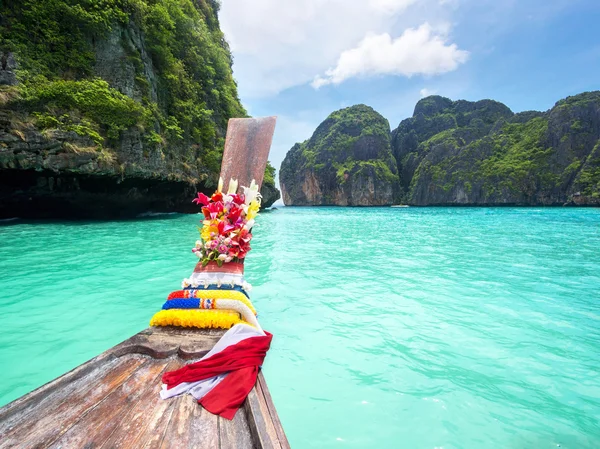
(135, 95)
(465, 153)
(435, 117)
(346, 162)
(268, 191)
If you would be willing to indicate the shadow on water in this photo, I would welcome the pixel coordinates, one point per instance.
(146, 216)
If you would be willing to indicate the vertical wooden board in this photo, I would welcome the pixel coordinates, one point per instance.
(246, 151)
(235, 434)
(191, 427)
(55, 415)
(263, 390)
(134, 423)
(94, 427)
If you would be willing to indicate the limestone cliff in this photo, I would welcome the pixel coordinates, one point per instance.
(346, 162)
(113, 108)
(480, 153)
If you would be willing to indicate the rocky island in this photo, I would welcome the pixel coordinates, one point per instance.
(347, 162)
(113, 111)
(459, 153)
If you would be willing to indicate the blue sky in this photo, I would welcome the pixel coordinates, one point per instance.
(303, 59)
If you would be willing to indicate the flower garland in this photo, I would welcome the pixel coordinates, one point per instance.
(228, 220)
(216, 319)
(211, 294)
(216, 296)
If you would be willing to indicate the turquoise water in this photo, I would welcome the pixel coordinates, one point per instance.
(394, 328)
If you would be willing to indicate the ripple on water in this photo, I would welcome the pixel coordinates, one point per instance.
(416, 328)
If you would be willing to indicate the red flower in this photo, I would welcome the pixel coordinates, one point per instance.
(212, 210)
(202, 199)
(224, 228)
(238, 199)
(234, 214)
(242, 242)
(217, 196)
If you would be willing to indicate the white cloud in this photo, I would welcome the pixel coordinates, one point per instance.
(278, 44)
(425, 92)
(418, 51)
(391, 6)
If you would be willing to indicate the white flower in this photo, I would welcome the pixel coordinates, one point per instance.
(198, 244)
(249, 224)
(222, 256)
(199, 254)
(233, 185)
(251, 193)
(228, 259)
(220, 186)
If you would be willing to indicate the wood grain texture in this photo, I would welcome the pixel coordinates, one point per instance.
(237, 433)
(191, 427)
(133, 425)
(262, 390)
(45, 417)
(246, 151)
(261, 426)
(112, 401)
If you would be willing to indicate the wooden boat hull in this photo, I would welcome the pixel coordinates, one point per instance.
(112, 401)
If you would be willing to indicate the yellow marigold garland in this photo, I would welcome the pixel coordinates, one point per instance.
(215, 319)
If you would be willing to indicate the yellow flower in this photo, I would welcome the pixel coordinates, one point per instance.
(253, 209)
(207, 228)
(216, 319)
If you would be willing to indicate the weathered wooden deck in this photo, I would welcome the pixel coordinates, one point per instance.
(112, 401)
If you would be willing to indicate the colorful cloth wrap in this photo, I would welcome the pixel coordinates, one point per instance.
(208, 300)
(222, 379)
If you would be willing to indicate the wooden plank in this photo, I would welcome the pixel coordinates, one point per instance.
(163, 342)
(262, 389)
(134, 423)
(191, 427)
(158, 424)
(259, 421)
(98, 423)
(235, 434)
(113, 402)
(48, 390)
(246, 151)
(46, 419)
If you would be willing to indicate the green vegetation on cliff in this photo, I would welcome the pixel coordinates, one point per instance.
(481, 153)
(100, 67)
(347, 161)
(453, 153)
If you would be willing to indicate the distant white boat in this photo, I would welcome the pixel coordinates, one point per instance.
(400, 205)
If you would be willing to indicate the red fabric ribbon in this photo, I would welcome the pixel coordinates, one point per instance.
(242, 361)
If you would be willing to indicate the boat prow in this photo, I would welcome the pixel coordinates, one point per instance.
(113, 401)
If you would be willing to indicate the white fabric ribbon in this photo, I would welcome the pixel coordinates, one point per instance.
(199, 389)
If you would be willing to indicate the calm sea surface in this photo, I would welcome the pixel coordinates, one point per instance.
(394, 328)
